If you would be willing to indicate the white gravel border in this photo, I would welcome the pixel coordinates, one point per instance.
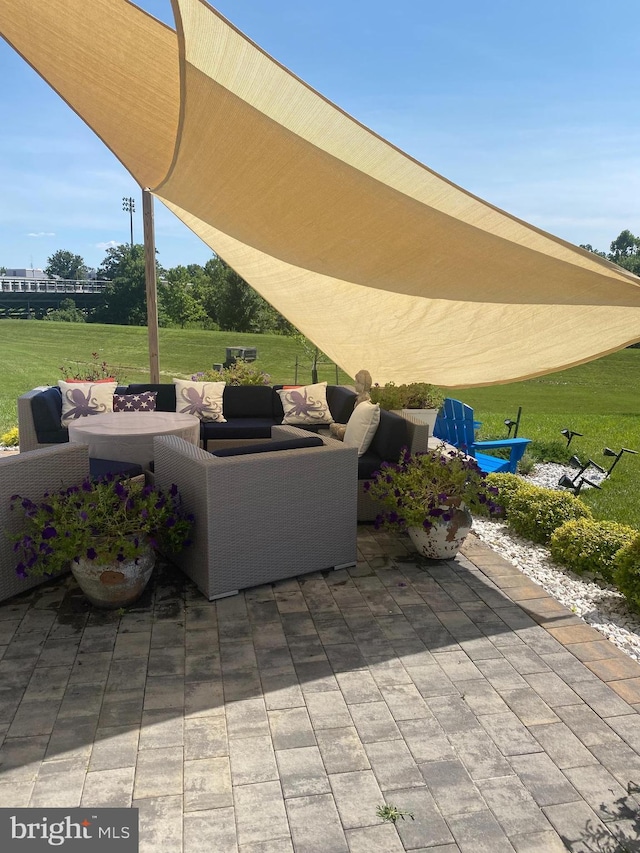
(600, 605)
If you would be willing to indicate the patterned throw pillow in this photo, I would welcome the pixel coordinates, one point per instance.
(143, 402)
(81, 399)
(202, 399)
(306, 404)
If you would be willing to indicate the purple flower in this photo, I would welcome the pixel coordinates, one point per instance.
(91, 554)
(49, 532)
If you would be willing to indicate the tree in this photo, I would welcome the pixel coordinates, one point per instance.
(625, 251)
(63, 264)
(593, 251)
(125, 296)
(234, 305)
(179, 302)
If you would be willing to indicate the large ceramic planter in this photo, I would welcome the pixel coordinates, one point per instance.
(114, 585)
(445, 538)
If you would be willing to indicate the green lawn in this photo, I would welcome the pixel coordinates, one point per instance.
(600, 399)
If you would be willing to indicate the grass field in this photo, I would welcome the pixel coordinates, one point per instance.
(600, 399)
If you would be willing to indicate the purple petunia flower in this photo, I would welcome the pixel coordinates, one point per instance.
(49, 532)
(92, 554)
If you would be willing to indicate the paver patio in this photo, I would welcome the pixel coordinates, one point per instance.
(280, 719)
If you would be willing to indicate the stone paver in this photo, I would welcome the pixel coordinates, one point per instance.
(280, 719)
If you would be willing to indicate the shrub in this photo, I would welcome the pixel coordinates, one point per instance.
(10, 438)
(507, 485)
(415, 395)
(587, 545)
(535, 513)
(526, 464)
(240, 373)
(626, 573)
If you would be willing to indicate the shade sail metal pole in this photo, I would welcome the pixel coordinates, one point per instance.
(151, 285)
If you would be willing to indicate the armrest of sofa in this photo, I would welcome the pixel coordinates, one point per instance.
(39, 413)
(418, 432)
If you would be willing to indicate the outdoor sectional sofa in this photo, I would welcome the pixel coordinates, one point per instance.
(251, 412)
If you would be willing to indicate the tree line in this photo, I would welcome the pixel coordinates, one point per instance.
(212, 296)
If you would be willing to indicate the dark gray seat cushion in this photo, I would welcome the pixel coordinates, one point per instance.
(270, 446)
(237, 428)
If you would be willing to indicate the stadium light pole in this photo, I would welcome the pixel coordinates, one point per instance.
(129, 206)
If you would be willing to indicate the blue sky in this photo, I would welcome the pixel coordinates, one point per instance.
(533, 106)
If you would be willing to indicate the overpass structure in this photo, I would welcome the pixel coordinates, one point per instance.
(29, 297)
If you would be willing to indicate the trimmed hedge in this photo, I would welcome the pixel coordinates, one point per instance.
(626, 573)
(535, 512)
(587, 545)
(507, 485)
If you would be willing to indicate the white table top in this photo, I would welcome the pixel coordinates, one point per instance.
(128, 436)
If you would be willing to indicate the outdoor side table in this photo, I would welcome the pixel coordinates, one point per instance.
(128, 436)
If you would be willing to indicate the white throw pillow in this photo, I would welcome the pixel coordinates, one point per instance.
(82, 399)
(202, 399)
(362, 426)
(306, 404)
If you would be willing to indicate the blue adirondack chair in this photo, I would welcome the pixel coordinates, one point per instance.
(455, 424)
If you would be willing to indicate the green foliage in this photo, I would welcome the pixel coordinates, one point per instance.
(507, 485)
(178, 297)
(10, 438)
(233, 304)
(415, 395)
(240, 373)
(587, 545)
(535, 512)
(392, 813)
(66, 313)
(103, 521)
(421, 489)
(63, 264)
(126, 296)
(626, 573)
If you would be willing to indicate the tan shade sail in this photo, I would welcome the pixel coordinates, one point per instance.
(347, 236)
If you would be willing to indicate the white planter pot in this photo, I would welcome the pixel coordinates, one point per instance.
(115, 585)
(445, 538)
(427, 416)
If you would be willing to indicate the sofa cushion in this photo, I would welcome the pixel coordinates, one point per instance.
(362, 425)
(306, 405)
(105, 467)
(248, 401)
(270, 446)
(368, 463)
(237, 428)
(341, 401)
(202, 399)
(391, 436)
(46, 409)
(84, 399)
(166, 399)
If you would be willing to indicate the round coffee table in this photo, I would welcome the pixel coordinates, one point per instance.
(128, 436)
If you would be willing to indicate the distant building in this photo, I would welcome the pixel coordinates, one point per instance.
(24, 273)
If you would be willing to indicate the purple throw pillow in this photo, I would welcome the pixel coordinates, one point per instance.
(145, 401)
